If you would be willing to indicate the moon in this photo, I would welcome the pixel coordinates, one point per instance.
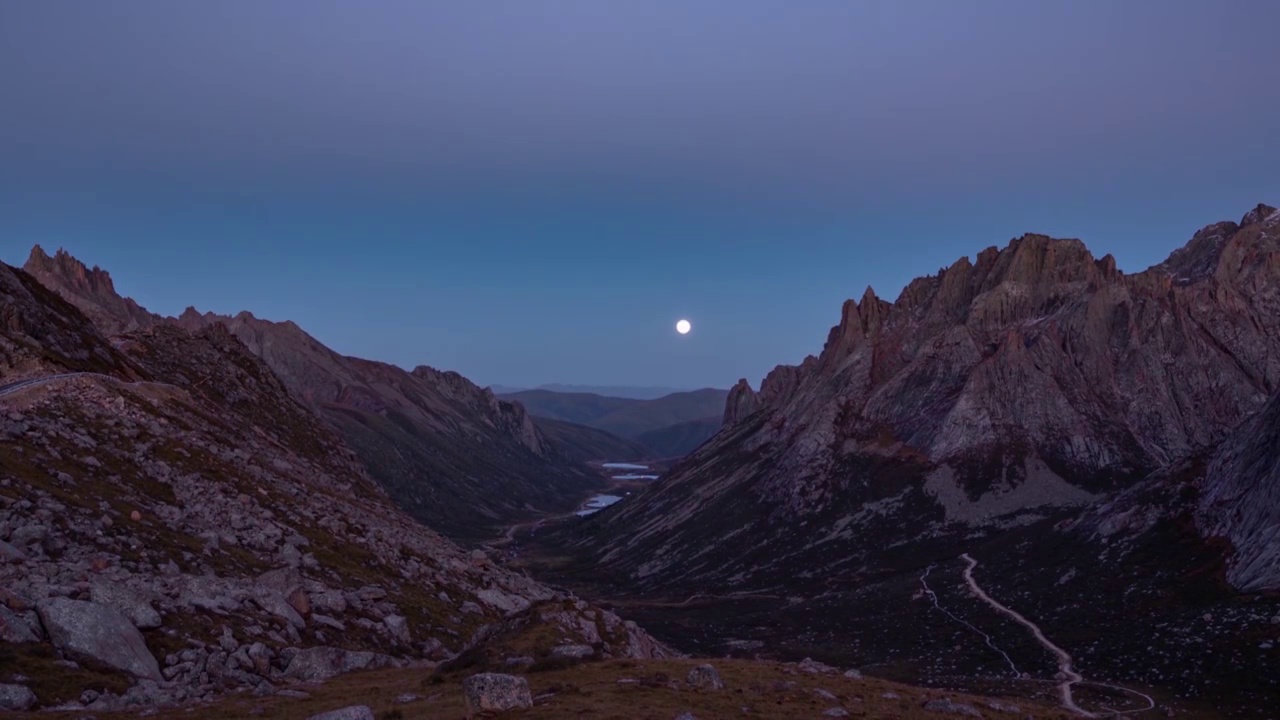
(683, 327)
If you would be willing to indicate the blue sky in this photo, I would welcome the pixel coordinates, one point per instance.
(535, 191)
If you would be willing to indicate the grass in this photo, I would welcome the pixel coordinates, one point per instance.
(54, 683)
(593, 691)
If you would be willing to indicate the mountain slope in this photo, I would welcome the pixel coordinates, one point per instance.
(580, 408)
(983, 407)
(450, 453)
(623, 417)
(987, 395)
(586, 444)
(181, 527)
(680, 439)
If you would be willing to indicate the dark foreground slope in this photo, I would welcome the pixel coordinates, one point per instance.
(175, 526)
(983, 412)
(450, 453)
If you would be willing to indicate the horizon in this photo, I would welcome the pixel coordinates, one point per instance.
(528, 194)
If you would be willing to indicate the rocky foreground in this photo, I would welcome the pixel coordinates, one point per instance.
(176, 527)
(621, 690)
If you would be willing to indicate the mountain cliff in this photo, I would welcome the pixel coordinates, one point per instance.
(992, 393)
(450, 453)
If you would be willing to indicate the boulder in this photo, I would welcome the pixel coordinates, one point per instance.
(398, 626)
(355, 712)
(125, 601)
(16, 697)
(276, 604)
(705, 677)
(496, 692)
(572, 652)
(13, 629)
(98, 632)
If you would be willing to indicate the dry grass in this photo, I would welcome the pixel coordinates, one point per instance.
(594, 691)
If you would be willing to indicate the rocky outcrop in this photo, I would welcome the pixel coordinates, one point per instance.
(98, 632)
(741, 403)
(495, 692)
(90, 290)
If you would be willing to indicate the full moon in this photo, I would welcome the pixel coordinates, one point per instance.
(683, 327)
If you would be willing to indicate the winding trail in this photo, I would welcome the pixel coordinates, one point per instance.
(990, 643)
(1070, 677)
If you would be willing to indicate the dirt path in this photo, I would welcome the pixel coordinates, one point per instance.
(1069, 677)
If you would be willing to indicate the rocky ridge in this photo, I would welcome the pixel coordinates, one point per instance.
(996, 392)
(175, 525)
(450, 453)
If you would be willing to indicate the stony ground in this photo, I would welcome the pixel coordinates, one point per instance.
(631, 690)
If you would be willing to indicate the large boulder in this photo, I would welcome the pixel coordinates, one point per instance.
(125, 601)
(496, 692)
(100, 633)
(705, 677)
(16, 697)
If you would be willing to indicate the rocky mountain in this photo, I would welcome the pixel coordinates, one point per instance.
(451, 454)
(681, 420)
(996, 408)
(175, 525)
(91, 290)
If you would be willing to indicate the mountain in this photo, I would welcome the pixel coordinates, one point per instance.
(451, 454)
(625, 417)
(175, 526)
(581, 408)
(985, 407)
(680, 439)
(586, 444)
(621, 391)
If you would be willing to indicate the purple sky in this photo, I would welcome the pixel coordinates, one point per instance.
(534, 191)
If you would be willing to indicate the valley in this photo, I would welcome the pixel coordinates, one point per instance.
(887, 506)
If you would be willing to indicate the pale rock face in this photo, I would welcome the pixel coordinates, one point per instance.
(495, 692)
(99, 632)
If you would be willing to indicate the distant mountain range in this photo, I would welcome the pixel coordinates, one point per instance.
(618, 391)
(670, 426)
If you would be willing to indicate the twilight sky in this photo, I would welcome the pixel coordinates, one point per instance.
(533, 191)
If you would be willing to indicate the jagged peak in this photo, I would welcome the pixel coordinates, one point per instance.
(1257, 214)
(741, 401)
